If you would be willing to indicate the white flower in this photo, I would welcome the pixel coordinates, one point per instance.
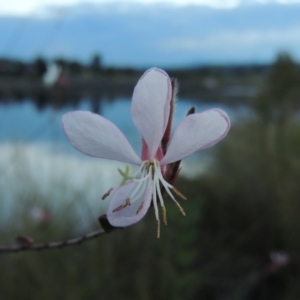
(96, 136)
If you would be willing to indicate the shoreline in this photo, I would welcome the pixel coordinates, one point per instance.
(110, 88)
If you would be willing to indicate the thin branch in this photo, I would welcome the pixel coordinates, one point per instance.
(53, 245)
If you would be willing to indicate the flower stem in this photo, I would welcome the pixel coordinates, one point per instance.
(53, 245)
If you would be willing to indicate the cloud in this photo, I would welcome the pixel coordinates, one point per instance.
(235, 45)
(30, 6)
(161, 35)
(35, 7)
(210, 3)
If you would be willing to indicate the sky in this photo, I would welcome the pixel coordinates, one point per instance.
(27, 7)
(131, 33)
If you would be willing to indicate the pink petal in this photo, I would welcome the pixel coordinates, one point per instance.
(96, 136)
(151, 106)
(130, 214)
(197, 132)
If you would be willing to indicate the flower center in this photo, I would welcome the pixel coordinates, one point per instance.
(149, 174)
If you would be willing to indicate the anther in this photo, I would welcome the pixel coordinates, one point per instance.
(139, 209)
(118, 208)
(179, 194)
(180, 208)
(107, 193)
(158, 229)
(164, 215)
(127, 203)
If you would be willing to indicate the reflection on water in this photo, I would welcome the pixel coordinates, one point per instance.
(32, 176)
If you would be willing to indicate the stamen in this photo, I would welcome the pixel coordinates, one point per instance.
(154, 201)
(158, 229)
(179, 194)
(161, 200)
(127, 203)
(139, 169)
(118, 208)
(139, 209)
(139, 190)
(163, 181)
(180, 208)
(158, 178)
(157, 187)
(107, 193)
(142, 177)
(164, 215)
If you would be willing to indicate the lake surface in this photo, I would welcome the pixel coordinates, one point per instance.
(23, 122)
(39, 168)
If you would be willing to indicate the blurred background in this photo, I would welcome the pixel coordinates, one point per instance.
(241, 236)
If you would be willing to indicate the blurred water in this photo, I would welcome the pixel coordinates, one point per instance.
(23, 122)
(37, 161)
